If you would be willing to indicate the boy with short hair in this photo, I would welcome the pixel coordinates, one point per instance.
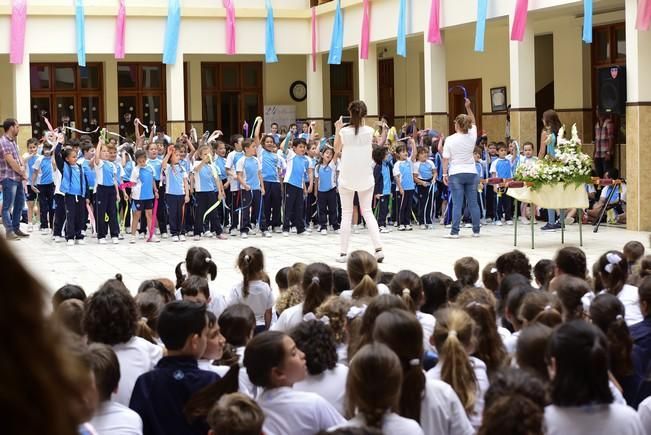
(160, 395)
(502, 168)
(235, 414)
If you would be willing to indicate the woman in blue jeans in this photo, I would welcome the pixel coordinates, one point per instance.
(459, 172)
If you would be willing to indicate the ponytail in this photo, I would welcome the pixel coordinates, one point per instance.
(490, 347)
(366, 288)
(144, 331)
(203, 400)
(362, 271)
(408, 286)
(245, 276)
(317, 286)
(406, 297)
(180, 276)
(357, 110)
(251, 264)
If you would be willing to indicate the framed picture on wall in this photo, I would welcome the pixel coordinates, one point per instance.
(498, 99)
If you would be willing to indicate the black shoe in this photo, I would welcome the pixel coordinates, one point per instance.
(11, 236)
(549, 227)
(19, 233)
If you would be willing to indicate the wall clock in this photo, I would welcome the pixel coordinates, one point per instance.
(298, 91)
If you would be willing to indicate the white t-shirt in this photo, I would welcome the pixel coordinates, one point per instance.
(391, 424)
(136, 356)
(589, 420)
(356, 164)
(428, 322)
(441, 411)
(382, 289)
(260, 298)
(459, 149)
(630, 298)
(289, 318)
(112, 418)
(644, 411)
(217, 302)
(296, 412)
(331, 385)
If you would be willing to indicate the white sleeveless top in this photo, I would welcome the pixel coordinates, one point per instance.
(356, 166)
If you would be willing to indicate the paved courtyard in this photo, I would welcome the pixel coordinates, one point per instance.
(419, 250)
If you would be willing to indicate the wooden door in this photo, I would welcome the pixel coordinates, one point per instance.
(456, 100)
(385, 90)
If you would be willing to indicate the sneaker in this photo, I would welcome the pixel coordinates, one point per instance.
(285, 234)
(483, 221)
(30, 228)
(244, 235)
(190, 233)
(70, 242)
(45, 231)
(423, 227)
(154, 239)
(569, 221)
(401, 228)
(101, 241)
(292, 230)
(182, 238)
(80, 242)
(278, 230)
(448, 226)
(57, 239)
(337, 231)
(324, 232)
(475, 235)
(19, 233)
(451, 236)
(11, 236)
(384, 230)
(509, 222)
(165, 235)
(355, 229)
(132, 240)
(197, 238)
(408, 228)
(83, 233)
(308, 230)
(524, 220)
(176, 239)
(141, 236)
(267, 234)
(253, 231)
(222, 236)
(115, 240)
(343, 258)
(557, 226)
(548, 227)
(498, 223)
(379, 256)
(209, 234)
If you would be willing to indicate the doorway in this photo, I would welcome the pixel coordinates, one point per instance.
(342, 90)
(544, 72)
(456, 102)
(385, 90)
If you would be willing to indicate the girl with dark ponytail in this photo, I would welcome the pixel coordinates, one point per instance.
(198, 261)
(613, 272)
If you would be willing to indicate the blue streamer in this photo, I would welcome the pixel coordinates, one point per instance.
(587, 21)
(270, 44)
(402, 32)
(480, 29)
(172, 32)
(80, 23)
(337, 42)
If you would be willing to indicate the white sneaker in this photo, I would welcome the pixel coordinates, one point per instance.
(141, 236)
(197, 238)
(165, 235)
(498, 223)
(267, 234)
(451, 236)
(475, 235)
(342, 259)
(569, 220)
(80, 242)
(253, 231)
(509, 222)
(278, 230)
(402, 228)
(132, 240)
(483, 221)
(448, 226)
(308, 230)
(176, 239)
(102, 241)
(285, 234)
(408, 227)
(154, 239)
(244, 235)
(190, 233)
(423, 227)
(292, 230)
(324, 232)
(384, 230)
(355, 229)
(115, 240)
(70, 242)
(209, 234)
(524, 220)
(337, 231)
(45, 231)
(57, 239)
(232, 232)
(182, 238)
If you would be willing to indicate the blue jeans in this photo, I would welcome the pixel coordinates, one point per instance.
(13, 201)
(464, 185)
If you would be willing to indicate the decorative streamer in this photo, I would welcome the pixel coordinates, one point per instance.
(587, 21)
(337, 41)
(434, 33)
(230, 26)
(313, 38)
(366, 30)
(643, 15)
(519, 20)
(480, 28)
(172, 32)
(120, 27)
(402, 29)
(270, 43)
(80, 21)
(17, 39)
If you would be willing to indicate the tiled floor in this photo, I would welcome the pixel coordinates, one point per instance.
(419, 250)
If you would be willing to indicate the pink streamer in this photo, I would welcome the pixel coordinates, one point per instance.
(519, 20)
(17, 39)
(120, 26)
(643, 15)
(230, 26)
(434, 33)
(366, 30)
(313, 38)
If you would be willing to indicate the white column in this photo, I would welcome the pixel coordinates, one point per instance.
(22, 92)
(315, 88)
(638, 57)
(436, 89)
(523, 70)
(175, 90)
(568, 50)
(368, 85)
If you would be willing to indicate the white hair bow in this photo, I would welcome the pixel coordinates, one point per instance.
(323, 319)
(355, 312)
(613, 259)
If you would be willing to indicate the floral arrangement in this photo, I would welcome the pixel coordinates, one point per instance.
(569, 166)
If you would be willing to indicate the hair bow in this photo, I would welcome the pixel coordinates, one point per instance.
(355, 312)
(311, 316)
(612, 259)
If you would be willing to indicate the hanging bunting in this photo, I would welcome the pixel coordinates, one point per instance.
(587, 21)
(366, 30)
(119, 30)
(17, 39)
(172, 32)
(480, 28)
(402, 29)
(643, 15)
(337, 42)
(434, 33)
(270, 40)
(313, 38)
(80, 22)
(230, 26)
(519, 20)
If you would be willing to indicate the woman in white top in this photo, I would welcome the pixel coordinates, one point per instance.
(459, 171)
(373, 389)
(354, 145)
(613, 271)
(582, 402)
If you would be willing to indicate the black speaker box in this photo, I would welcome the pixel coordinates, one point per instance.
(611, 91)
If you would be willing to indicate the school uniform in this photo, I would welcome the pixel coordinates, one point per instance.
(31, 195)
(404, 170)
(223, 216)
(251, 169)
(441, 411)
(392, 423)
(311, 212)
(75, 188)
(89, 172)
(59, 204)
(160, 395)
(427, 322)
(175, 177)
(136, 356)
(116, 419)
(106, 175)
(491, 194)
(125, 208)
(327, 197)
(217, 302)
(592, 419)
(641, 335)
(188, 208)
(644, 412)
(236, 195)
(297, 167)
(425, 172)
(296, 412)
(329, 384)
(45, 185)
(502, 168)
(142, 192)
(272, 164)
(161, 212)
(382, 175)
(205, 193)
(260, 299)
(289, 318)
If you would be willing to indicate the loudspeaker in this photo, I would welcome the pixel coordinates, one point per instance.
(612, 89)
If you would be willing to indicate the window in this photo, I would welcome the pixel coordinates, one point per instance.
(66, 94)
(141, 95)
(609, 45)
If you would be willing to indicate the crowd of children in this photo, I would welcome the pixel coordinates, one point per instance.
(508, 349)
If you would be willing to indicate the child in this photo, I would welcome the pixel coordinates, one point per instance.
(30, 159)
(199, 262)
(143, 193)
(249, 177)
(326, 181)
(231, 164)
(235, 414)
(220, 164)
(59, 205)
(272, 164)
(482, 171)
(106, 174)
(88, 154)
(362, 273)
(74, 187)
(491, 156)
(42, 183)
(613, 272)
(195, 289)
(208, 189)
(252, 291)
(160, 395)
(502, 168)
(311, 214)
(110, 416)
(382, 174)
(527, 159)
(633, 251)
(424, 172)
(214, 345)
(177, 191)
(155, 162)
(297, 166)
(403, 174)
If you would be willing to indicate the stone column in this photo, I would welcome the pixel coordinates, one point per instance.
(523, 87)
(436, 88)
(175, 98)
(315, 93)
(111, 113)
(368, 84)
